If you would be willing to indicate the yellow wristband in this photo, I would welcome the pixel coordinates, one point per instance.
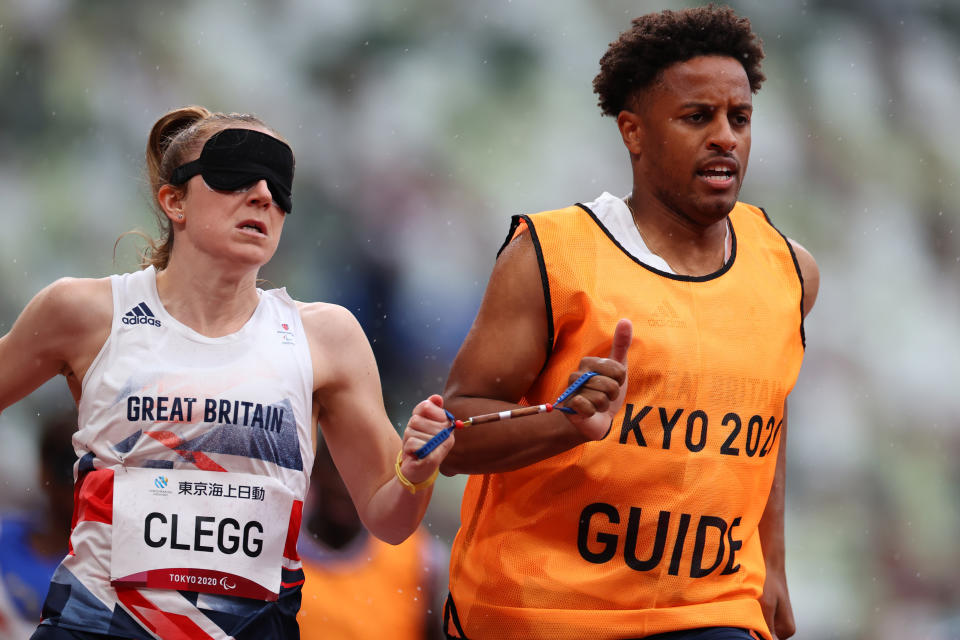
(411, 486)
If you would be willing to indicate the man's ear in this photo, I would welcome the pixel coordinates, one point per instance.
(170, 199)
(631, 130)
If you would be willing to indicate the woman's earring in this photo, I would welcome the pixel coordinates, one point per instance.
(179, 216)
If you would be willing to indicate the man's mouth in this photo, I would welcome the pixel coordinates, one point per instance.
(717, 173)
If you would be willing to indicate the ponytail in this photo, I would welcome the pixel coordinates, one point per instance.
(161, 154)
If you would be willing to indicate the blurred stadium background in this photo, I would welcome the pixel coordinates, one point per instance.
(420, 126)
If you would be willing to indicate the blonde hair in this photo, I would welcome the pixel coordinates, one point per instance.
(174, 139)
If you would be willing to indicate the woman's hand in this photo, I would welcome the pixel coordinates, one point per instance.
(427, 420)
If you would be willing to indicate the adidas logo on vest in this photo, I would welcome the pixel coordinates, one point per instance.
(140, 314)
(666, 316)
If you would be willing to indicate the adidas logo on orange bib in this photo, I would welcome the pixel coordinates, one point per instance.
(140, 314)
(666, 316)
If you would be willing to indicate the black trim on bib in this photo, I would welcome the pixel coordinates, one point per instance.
(796, 265)
(450, 615)
(514, 223)
(673, 276)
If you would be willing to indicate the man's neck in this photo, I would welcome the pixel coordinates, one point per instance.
(690, 248)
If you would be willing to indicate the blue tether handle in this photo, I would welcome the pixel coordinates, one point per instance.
(442, 435)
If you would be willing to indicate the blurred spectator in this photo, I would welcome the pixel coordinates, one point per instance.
(33, 543)
(357, 586)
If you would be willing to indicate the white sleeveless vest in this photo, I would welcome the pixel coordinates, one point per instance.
(161, 396)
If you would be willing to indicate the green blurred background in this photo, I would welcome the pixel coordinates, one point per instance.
(420, 126)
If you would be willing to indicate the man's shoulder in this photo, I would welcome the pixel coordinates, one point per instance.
(747, 209)
(573, 209)
(602, 202)
(754, 215)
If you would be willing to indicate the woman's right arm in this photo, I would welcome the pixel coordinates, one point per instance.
(61, 330)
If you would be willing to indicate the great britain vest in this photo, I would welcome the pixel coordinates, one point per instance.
(194, 435)
(654, 528)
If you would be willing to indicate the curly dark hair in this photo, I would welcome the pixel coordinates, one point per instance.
(658, 40)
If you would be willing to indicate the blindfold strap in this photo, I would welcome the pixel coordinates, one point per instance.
(185, 171)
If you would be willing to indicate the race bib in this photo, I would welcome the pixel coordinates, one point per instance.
(199, 531)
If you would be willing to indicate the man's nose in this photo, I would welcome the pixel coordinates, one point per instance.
(722, 136)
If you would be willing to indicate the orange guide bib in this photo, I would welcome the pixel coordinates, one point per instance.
(654, 528)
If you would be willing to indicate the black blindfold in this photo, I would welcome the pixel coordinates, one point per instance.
(235, 158)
